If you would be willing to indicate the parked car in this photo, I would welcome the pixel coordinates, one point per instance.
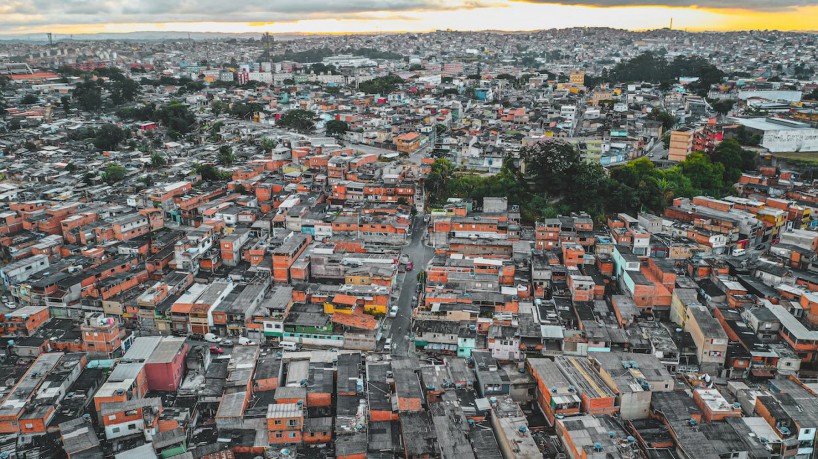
(216, 350)
(410, 266)
(246, 341)
(211, 338)
(227, 342)
(393, 312)
(387, 346)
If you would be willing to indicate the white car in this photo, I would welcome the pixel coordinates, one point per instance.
(393, 312)
(211, 338)
(246, 341)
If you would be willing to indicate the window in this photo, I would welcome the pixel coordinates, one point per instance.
(278, 422)
(29, 425)
(292, 434)
(111, 417)
(115, 430)
(279, 435)
(292, 422)
(131, 426)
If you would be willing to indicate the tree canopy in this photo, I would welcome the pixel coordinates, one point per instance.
(381, 85)
(113, 173)
(226, 156)
(336, 127)
(299, 120)
(109, 136)
(177, 118)
(652, 66)
(88, 96)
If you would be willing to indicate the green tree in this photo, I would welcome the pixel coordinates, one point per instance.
(158, 159)
(267, 144)
(667, 120)
(176, 117)
(65, 101)
(29, 99)
(548, 166)
(88, 96)
(728, 154)
(226, 156)
(705, 176)
(438, 177)
(723, 106)
(211, 173)
(381, 85)
(299, 120)
(124, 90)
(113, 173)
(337, 127)
(109, 136)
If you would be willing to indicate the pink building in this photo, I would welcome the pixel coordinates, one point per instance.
(165, 367)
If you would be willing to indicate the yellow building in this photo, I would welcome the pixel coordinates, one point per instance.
(577, 78)
(681, 144)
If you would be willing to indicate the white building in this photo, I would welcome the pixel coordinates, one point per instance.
(780, 135)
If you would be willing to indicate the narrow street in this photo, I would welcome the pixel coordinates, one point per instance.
(420, 255)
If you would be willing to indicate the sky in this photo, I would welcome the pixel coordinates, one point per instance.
(351, 16)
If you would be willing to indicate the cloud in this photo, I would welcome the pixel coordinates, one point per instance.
(757, 5)
(43, 12)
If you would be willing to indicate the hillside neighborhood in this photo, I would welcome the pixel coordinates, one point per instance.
(581, 243)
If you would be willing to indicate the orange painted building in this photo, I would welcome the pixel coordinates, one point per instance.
(285, 422)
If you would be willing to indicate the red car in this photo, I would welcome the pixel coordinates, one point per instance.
(410, 266)
(216, 350)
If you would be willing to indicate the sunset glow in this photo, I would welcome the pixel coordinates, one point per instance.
(473, 15)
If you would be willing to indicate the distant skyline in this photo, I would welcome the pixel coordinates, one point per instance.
(19, 17)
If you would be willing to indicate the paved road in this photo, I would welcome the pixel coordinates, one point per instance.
(420, 255)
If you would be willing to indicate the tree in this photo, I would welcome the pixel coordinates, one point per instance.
(176, 117)
(211, 173)
(267, 144)
(337, 127)
(703, 174)
(381, 85)
(113, 173)
(71, 167)
(300, 120)
(65, 101)
(124, 90)
(723, 106)
(421, 277)
(415, 67)
(158, 159)
(226, 156)
(438, 176)
(548, 165)
(728, 154)
(88, 96)
(29, 99)
(109, 136)
(667, 120)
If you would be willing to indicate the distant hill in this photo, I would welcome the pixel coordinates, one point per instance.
(138, 36)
